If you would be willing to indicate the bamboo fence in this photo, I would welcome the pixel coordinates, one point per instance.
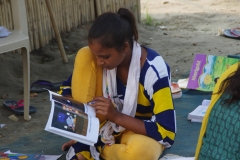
(68, 14)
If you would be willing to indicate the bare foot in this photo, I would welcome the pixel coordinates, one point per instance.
(80, 157)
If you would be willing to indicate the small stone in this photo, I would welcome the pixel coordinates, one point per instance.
(13, 118)
(165, 2)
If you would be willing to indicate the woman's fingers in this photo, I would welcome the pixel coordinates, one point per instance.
(101, 106)
(99, 111)
(101, 99)
(104, 106)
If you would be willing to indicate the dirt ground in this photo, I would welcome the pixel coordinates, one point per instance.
(177, 29)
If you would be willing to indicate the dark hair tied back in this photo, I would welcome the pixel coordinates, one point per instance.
(112, 30)
(127, 15)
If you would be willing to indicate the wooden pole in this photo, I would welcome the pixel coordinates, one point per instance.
(57, 34)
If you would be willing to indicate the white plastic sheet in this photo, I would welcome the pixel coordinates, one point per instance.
(4, 32)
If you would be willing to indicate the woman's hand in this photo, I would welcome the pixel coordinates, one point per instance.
(104, 106)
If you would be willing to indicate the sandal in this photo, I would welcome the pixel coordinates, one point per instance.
(17, 107)
(235, 32)
(232, 33)
(41, 86)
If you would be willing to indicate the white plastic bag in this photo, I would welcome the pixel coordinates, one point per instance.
(4, 32)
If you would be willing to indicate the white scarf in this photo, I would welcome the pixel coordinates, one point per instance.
(130, 98)
(131, 95)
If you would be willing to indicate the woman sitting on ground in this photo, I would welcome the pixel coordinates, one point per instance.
(219, 137)
(130, 85)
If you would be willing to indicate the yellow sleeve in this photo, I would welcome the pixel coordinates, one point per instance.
(86, 78)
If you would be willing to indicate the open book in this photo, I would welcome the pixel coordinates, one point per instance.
(72, 119)
(198, 113)
(206, 69)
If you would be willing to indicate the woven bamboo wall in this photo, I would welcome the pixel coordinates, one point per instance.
(68, 14)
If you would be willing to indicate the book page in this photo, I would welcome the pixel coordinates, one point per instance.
(196, 120)
(72, 104)
(71, 122)
(175, 157)
(199, 111)
(205, 102)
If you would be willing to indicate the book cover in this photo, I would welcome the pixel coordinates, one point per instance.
(206, 69)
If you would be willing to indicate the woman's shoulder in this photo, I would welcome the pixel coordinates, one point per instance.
(154, 59)
(154, 67)
(84, 54)
(85, 49)
(151, 54)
